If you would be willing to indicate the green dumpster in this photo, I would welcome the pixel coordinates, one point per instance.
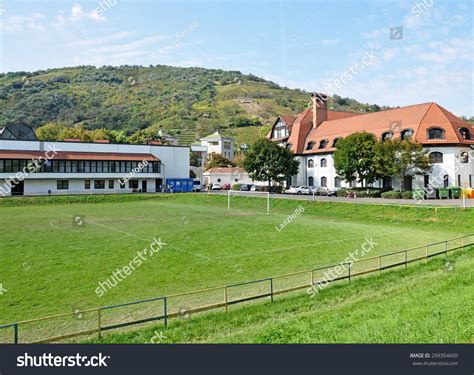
(443, 193)
(418, 194)
(455, 192)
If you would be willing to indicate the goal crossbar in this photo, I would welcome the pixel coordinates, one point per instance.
(259, 194)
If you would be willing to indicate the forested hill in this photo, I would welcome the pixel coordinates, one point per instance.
(137, 101)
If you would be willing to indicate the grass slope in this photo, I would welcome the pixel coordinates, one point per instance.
(424, 304)
(187, 102)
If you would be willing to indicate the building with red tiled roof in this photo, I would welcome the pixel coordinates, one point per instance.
(313, 134)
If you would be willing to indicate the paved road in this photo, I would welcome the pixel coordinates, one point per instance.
(382, 201)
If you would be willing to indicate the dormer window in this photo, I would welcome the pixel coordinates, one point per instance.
(387, 136)
(334, 143)
(323, 143)
(310, 146)
(465, 134)
(406, 134)
(436, 133)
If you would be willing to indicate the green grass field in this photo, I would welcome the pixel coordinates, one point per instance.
(50, 266)
(424, 304)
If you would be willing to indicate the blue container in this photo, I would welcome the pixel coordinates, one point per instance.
(179, 185)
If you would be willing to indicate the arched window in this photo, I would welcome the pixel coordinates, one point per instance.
(464, 157)
(309, 146)
(310, 163)
(465, 133)
(334, 143)
(436, 133)
(324, 163)
(324, 181)
(310, 181)
(386, 136)
(436, 157)
(407, 133)
(323, 143)
(337, 181)
(445, 180)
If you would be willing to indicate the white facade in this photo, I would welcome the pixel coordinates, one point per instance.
(218, 144)
(173, 163)
(458, 173)
(229, 176)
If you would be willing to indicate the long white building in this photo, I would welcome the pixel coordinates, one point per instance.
(32, 167)
(313, 134)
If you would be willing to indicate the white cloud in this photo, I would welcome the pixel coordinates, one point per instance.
(117, 48)
(78, 14)
(22, 23)
(100, 40)
(329, 42)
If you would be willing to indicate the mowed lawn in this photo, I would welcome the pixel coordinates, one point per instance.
(48, 265)
(427, 303)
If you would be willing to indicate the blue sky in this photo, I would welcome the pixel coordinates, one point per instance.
(340, 47)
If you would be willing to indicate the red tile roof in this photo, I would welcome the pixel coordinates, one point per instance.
(72, 155)
(229, 170)
(419, 118)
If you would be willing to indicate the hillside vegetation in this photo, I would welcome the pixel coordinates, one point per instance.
(138, 101)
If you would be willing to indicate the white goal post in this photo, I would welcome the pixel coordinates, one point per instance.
(259, 194)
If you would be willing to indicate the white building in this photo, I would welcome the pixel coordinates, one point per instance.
(227, 175)
(218, 144)
(313, 134)
(42, 168)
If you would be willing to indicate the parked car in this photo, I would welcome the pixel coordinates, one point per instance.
(216, 187)
(246, 187)
(226, 187)
(303, 190)
(322, 190)
(197, 185)
(333, 192)
(255, 188)
(292, 190)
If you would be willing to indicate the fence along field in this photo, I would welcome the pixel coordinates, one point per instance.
(99, 320)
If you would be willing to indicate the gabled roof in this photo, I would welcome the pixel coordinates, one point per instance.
(215, 135)
(225, 170)
(419, 118)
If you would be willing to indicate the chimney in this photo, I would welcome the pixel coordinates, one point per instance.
(320, 109)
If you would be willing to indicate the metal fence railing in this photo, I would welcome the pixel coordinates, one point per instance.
(97, 320)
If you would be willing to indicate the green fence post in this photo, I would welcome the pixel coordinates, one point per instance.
(165, 308)
(271, 289)
(350, 265)
(446, 249)
(99, 322)
(15, 333)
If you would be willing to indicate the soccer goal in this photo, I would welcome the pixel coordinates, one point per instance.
(264, 195)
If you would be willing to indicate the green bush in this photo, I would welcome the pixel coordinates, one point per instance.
(408, 194)
(341, 193)
(236, 186)
(392, 194)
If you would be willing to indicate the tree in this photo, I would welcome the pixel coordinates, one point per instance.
(354, 158)
(266, 161)
(49, 131)
(217, 160)
(401, 158)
